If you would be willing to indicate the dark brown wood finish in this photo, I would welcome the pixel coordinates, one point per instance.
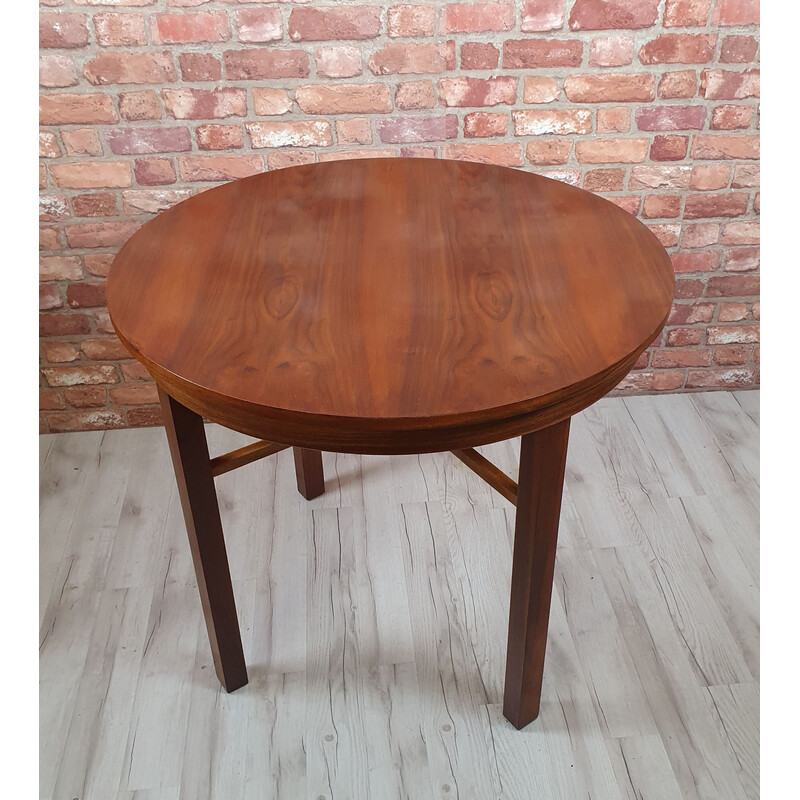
(495, 477)
(543, 457)
(310, 477)
(189, 450)
(243, 456)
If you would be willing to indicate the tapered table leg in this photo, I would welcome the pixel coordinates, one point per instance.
(189, 449)
(541, 479)
(310, 477)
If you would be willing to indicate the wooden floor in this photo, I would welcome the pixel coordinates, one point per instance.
(374, 621)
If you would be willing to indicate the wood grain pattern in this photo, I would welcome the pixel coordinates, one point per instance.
(316, 306)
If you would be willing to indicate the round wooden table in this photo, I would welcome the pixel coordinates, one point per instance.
(389, 306)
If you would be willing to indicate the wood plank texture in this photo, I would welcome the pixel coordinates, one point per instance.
(374, 621)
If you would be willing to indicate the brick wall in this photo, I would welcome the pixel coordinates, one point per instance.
(651, 103)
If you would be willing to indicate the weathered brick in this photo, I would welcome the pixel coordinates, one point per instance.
(49, 238)
(700, 261)
(630, 203)
(119, 30)
(304, 133)
(409, 21)
(144, 416)
(669, 359)
(411, 58)
(134, 371)
(713, 146)
(151, 201)
(733, 286)
(76, 109)
(60, 352)
(722, 84)
(108, 68)
(609, 151)
(542, 15)
(91, 174)
(219, 168)
(686, 314)
(95, 204)
(80, 376)
(661, 206)
(736, 12)
(256, 65)
(539, 53)
(608, 88)
(134, 395)
(476, 17)
(98, 264)
(60, 324)
(686, 13)
(482, 124)
(48, 145)
(733, 334)
(338, 62)
(200, 67)
(49, 296)
(666, 233)
(219, 137)
(479, 55)
(613, 120)
(101, 234)
(738, 50)
(470, 92)
(418, 152)
(708, 177)
(140, 105)
(700, 235)
(732, 312)
(109, 349)
(729, 118)
(60, 268)
(417, 129)
(271, 102)
(205, 103)
(499, 153)
(62, 30)
(661, 381)
(98, 419)
(349, 155)
(154, 171)
(259, 24)
(611, 51)
(353, 131)
(82, 142)
(679, 48)
(741, 233)
(732, 355)
(670, 118)
(678, 85)
(601, 15)
(669, 148)
(319, 24)
(602, 180)
(414, 95)
(742, 259)
(684, 337)
(85, 396)
(345, 98)
(536, 122)
(138, 141)
(188, 27)
(548, 152)
(56, 71)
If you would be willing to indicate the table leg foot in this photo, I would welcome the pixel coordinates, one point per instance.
(189, 450)
(310, 477)
(541, 479)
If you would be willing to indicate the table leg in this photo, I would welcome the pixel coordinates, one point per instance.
(310, 477)
(541, 478)
(189, 449)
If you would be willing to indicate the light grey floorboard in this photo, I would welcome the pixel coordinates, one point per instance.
(374, 621)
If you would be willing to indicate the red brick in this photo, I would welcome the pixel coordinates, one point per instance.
(708, 177)
(685, 289)
(146, 416)
(134, 395)
(49, 238)
(713, 146)
(219, 137)
(256, 65)
(683, 337)
(757, 313)
(418, 129)
(50, 400)
(96, 204)
(679, 48)
(59, 324)
(353, 131)
(629, 204)
(538, 53)
(670, 118)
(154, 171)
(305, 133)
(91, 174)
(190, 27)
(49, 296)
(60, 268)
(404, 59)
(729, 204)
(98, 419)
(741, 233)
(702, 234)
(62, 30)
(609, 151)
(733, 286)
(204, 103)
(722, 84)
(140, 105)
(345, 98)
(219, 168)
(200, 67)
(602, 180)
(470, 92)
(151, 201)
(613, 120)
(736, 12)
(603, 15)
(728, 118)
(110, 68)
(542, 15)
(418, 152)
(98, 264)
(60, 352)
(608, 88)
(86, 396)
(119, 30)
(540, 90)
(686, 13)
(86, 294)
(259, 24)
(669, 148)
(476, 17)
(669, 359)
(738, 50)
(104, 349)
(347, 155)
(319, 24)
(665, 381)
(338, 62)
(82, 142)
(666, 234)
(732, 355)
(742, 259)
(732, 312)
(612, 51)
(500, 153)
(676, 85)
(136, 141)
(547, 152)
(134, 371)
(281, 159)
(101, 234)
(88, 374)
(536, 122)
(683, 314)
(703, 261)
(733, 334)
(48, 145)
(661, 206)
(56, 71)
(415, 95)
(731, 378)
(482, 124)
(479, 55)
(76, 109)
(408, 21)
(271, 102)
